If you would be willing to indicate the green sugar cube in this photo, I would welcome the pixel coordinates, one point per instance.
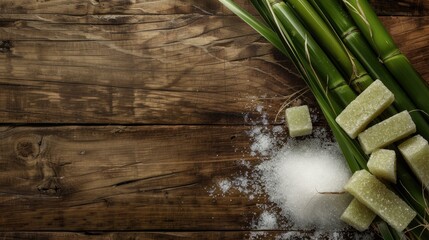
(382, 163)
(412, 147)
(298, 121)
(358, 215)
(416, 152)
(386, 132)
(367, 106)
(376, 196)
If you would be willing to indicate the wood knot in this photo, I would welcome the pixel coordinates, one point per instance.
(28, 148)
(50, 187)
(6, 46)
(25, 149)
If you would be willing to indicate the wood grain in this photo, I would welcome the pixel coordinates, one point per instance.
(130, 7)
(207, 235)
(190, 73)
(137, 7)
(127, 235)
(152, 69)
(122, 178)
(402, 7)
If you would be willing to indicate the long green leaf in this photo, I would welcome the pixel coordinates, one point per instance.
(261, 28)
(381, 41)
(337, 16)
(303, 64)
(386, 231)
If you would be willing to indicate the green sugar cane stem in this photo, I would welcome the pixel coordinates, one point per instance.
(332, 45)
(381, 41)
(338, 17)
(331, 79)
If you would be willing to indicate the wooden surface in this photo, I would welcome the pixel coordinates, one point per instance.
(117, 117)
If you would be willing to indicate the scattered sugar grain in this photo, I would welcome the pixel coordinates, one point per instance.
(255, 131)
(314, 115)
(244, 163)
(241, 183)
(257, 235)
(264, 120)
(318, 235)
(224, 185)
(277, 129)
(267, 221)
(211, 191)
(263, 142)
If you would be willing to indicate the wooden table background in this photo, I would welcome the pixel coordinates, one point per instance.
(117, 116)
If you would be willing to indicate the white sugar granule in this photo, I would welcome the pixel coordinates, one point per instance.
(259, 235)
(224, 185)
(277, 129)
(305, 178)
(267, 221)
(241, 183)
(319, 235)
(263, 144)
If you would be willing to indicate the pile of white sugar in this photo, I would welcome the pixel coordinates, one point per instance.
(302, 178)
(305, 178)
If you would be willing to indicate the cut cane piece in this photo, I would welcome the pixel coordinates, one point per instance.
(358, 215)
(376, 196)
(416, 152)
(382, 163)
(299, 121)
(386, 132)
(365, 108)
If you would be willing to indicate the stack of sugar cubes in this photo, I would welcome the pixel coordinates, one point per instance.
(372, 196)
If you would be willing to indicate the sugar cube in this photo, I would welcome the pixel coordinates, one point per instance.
(416, 153)
(376, 196)
(299, 121)
(386, 132)
(382, 163)
(365, 108)
(358, 215)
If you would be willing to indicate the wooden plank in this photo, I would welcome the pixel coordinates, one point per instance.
(188, 74)
(152, 69)
(136, 7)
(122, 178)
(125, 235)
(401, 8)
(132, 7)
(206, 235)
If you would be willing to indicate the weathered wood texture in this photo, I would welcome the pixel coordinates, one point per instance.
(206, 235)
(402, 7)
(153, 179)
(226, 235)
(124, 235)
(152, 69)
(130, 7)
(174, 69)
(209, 7)
(121, 178)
